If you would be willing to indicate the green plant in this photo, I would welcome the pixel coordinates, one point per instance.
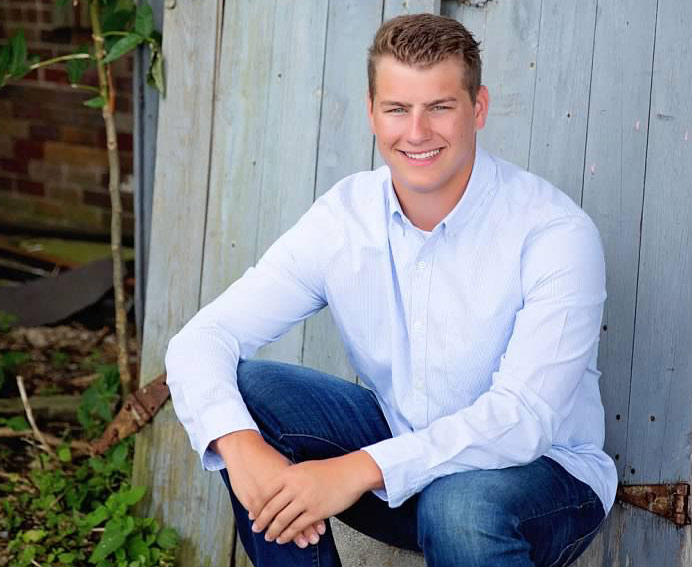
(70, 513)
(9, 361)
(6, 320)
(94, 411)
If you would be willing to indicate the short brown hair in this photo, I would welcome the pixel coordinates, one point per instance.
(424, 40)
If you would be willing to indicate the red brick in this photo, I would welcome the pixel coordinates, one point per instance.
(78, 136)
(125, 142)
(123, 84)
(126, 162)
(28, 149)
(30, 187)
(14, 165)
(56, 76)
(44, 132)
(6, 183)
(27, 110)
(97, 199)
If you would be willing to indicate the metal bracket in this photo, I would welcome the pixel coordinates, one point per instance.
(669, 501)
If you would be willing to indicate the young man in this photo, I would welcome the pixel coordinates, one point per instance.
(469, 296)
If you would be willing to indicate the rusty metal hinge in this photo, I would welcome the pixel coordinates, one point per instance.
(139, 408)
(667, 500)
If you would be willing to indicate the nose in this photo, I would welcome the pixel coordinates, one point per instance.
(419, 127)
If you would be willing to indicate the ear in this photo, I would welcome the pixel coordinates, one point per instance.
(369, 105)
(481, 107)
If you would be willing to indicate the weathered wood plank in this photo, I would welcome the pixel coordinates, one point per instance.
(658, 448)
(180, 493)
(293, 115)
(345, 145)
(509, 71)
(240, 134)
(614, 185)
(563, 67)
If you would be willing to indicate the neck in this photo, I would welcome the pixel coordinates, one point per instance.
(426, 210)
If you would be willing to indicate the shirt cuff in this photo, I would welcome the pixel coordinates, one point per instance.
(217, 421)
(401, 478)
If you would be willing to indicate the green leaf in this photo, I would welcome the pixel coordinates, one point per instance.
(137, 548)
(17, 423)
(123, 46)
(167, 538)
(76, 67)
(113, 538)
(64, 454)
(66, 558)
(155, 73)
(144, 20)
(96, 102)
(96, 517)
(33, 536)
(18, 66)
(134, 495)
(117, 20)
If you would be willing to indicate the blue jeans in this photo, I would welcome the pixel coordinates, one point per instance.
(536, 514)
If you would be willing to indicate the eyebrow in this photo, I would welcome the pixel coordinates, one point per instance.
(408, 105)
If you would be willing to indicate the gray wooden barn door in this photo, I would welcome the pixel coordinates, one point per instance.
(594, 96)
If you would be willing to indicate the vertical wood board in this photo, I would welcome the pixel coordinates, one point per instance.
(240, 135)
(658, 446)
(613, 189)
(293, 114)
(563, 67)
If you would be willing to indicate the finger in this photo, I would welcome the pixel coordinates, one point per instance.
(310, 535)
(284, 519)
(321, 527)
(299, 524)
(270, 510)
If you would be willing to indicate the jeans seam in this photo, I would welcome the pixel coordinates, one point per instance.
(282, 435)
(556, 510)
(577, 542)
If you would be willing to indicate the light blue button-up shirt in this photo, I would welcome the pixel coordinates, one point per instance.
(479, 338)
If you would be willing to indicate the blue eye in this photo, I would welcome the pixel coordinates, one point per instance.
(441, 107)
(397, 110)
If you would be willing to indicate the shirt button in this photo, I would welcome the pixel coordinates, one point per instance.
(421, 265)
(417, 326)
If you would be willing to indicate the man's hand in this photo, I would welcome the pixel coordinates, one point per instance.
(253, 467)
(311, 491)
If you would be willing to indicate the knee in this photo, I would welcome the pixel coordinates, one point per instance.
(465, 522)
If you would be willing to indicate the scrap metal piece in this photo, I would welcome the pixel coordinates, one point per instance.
(669, 501)
(138, 410)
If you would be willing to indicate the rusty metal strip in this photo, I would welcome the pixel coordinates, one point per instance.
(669, 501)
(138, 410)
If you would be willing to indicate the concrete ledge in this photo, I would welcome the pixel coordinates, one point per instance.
(358, 550)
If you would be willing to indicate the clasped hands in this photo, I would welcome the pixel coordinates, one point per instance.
(291, 501)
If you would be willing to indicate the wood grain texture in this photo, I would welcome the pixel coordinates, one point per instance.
(181, 494)
(613, 188)
(563, 67)
(658, 448)
(293, 112)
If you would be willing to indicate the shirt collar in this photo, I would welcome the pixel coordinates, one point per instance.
(477, 190)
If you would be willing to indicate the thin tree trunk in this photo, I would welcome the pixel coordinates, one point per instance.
(108, 94)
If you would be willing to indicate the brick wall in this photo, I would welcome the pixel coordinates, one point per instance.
(53, 161)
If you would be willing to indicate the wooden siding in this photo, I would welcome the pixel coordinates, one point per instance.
(266, 110)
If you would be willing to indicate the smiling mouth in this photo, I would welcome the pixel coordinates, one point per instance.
(422, 155)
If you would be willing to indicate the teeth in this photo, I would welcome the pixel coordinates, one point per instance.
(424, 155)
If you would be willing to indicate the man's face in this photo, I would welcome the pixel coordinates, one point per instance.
(426, 124)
